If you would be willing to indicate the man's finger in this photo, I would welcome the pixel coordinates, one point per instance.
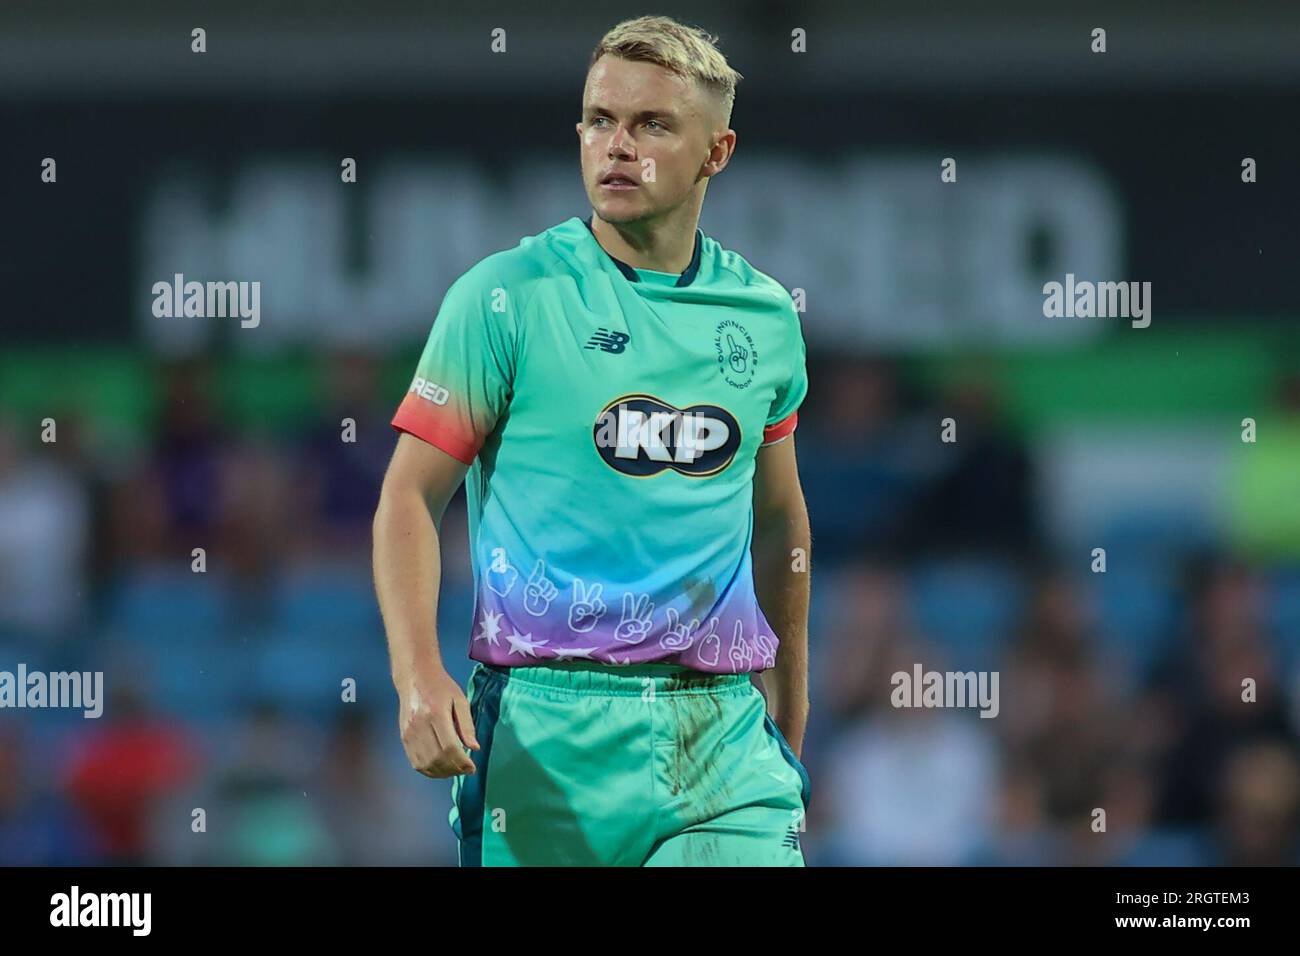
(449, 742)
(464, 722)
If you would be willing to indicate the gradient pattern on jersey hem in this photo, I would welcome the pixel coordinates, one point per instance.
(528, 622)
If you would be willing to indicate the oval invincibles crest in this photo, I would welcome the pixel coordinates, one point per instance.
(737, 357)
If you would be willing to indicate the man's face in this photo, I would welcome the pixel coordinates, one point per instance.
(649, 129)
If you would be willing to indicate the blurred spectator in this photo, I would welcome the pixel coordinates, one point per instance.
(37, 828)
(908, 786)
(859, 457)
(913, 787)
(1023, 836)
(203, 487)
(174, 503)
(867, 621)
(980, 495)
(265, 807)
(374, 819)
(122, 770)
(336, 481)
(44, 530)
(1058, 717)
(1259, 807)
(1200, 687)
(254, 522)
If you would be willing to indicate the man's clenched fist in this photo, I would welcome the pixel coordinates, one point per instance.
(435, 723)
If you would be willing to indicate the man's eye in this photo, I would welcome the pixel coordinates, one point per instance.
(654, 123)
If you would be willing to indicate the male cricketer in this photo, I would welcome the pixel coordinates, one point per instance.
(621, 392)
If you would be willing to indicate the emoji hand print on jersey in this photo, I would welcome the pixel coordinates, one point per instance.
(709, 649)
(539, 592)
(740, 653)
(634, 625)
(737, 355)
(587, 607)
(678, 637)
(766, 648)
(501, 574)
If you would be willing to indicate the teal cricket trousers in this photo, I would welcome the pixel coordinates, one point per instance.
(588, 764)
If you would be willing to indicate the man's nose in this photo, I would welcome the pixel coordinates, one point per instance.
(621, 144)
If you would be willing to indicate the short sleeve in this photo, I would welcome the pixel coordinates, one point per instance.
(784, 415)
(464, 379)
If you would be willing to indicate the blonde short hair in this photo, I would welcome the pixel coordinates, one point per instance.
(685, 50)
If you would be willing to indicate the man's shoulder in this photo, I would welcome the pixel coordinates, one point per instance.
(731, 268)
(533, 259)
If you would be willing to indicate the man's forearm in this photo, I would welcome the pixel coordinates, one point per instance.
(782, 554)
(407, 569)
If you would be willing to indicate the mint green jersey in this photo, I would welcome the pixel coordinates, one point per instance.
(611, 417)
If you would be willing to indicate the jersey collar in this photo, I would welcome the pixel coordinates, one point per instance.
(686, 278)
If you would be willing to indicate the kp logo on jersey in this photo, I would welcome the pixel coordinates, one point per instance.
(641, 435)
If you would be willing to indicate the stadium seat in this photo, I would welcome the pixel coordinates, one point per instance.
(166, 604)
(968, 608)
(1282, 614)
(1170, 847)
(304, 670)
(337, 601)
(1137, 607)
(195, 678)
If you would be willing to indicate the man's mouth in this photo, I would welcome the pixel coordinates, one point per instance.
(618, 181)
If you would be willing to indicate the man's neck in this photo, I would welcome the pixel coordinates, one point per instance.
(663, 246)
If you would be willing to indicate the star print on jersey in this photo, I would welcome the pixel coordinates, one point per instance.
(524, 644)
(571, 652)
(490, 628)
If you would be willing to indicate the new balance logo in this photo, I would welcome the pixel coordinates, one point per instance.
(791, 840)
(608, 341)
